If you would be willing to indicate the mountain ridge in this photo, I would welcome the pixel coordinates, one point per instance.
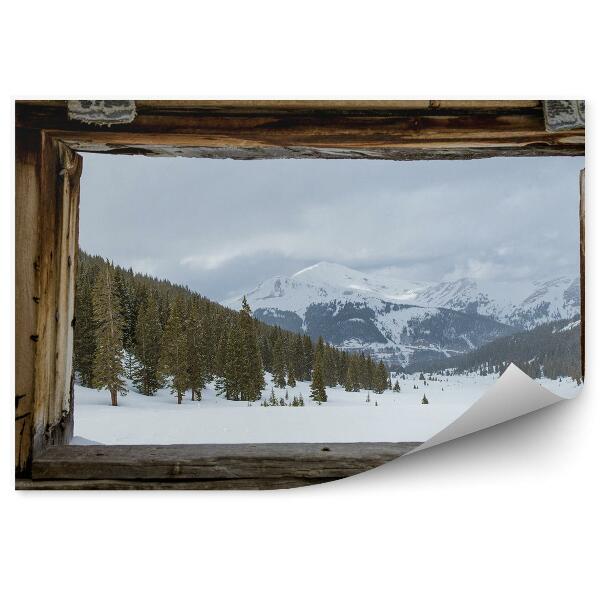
(394, 318)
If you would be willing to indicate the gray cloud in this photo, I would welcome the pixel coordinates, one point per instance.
(222, 226)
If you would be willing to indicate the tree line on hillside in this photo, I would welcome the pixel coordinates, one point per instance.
(158, 334)
(551, 350)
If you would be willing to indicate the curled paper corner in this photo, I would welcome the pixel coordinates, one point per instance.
(513, 395)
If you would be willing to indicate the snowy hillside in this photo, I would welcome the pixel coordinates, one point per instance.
(396, 318)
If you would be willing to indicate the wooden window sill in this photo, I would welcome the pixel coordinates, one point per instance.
(205, 466)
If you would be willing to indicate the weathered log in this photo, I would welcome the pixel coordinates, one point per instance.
(394, 131)
(123, 484)
(27, 186)
(215, 462)
(56, 263)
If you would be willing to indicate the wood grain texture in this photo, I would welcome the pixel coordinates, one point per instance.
(27, 199)
(57, 236)
(315, 104)
(401, 131)
(214, 462)
(123, 484)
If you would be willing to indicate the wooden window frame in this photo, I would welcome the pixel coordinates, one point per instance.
(47, 171)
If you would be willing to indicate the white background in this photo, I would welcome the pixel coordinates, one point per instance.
(507, 513)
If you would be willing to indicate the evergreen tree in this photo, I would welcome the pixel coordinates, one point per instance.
(229, 383)
(174, 356)
(296, 359)
(308, 356)
(108, 358)
(84, 338)
(126, 294)
(380, 378)
(197, 354)
(272, 399)
(243, 377)
(352, 383)
(146, 375)
(253, 381)
(349, 381)
(278, 364)
(221, 353)
(317, 385)
(291, 379)
(424, 400)
(329, 366)
(396, 386)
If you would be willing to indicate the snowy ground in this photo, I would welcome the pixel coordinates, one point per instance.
(346, 417)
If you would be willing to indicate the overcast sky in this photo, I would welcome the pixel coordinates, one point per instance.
(222, 226)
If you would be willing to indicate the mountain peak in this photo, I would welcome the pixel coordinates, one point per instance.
(324, 266)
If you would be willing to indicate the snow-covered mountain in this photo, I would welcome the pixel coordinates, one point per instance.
(521, 304)
(396, 318)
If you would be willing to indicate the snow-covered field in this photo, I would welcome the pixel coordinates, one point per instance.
(346, 417)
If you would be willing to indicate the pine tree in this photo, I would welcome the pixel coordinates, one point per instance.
(308, 357)
(84, 338)
(278, 364)
(424, 400)
(253, 381)
(349, 381)
(296, 359)
(243, 377)
(229, 382)
(173, 359)
(221, 352)
(146, 375)
(197, 357)
(108, 358)
(396, 386)
(126, 294)
(272, 399)
(291, 379)
(380, 378)
(329, 366)
(352, 376)
(317, 385)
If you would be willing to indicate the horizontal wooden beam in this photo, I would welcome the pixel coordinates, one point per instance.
(317, 104)
(401, 131)
(218, 466)
(147, 484)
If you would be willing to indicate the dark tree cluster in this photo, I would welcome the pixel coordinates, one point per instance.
(158, 334)
(551, 350)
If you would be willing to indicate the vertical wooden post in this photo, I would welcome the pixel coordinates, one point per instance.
(58, 239)
(582, 264)
(27, 296)
(46, 236)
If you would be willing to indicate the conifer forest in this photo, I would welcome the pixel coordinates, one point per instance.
(158, 334)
